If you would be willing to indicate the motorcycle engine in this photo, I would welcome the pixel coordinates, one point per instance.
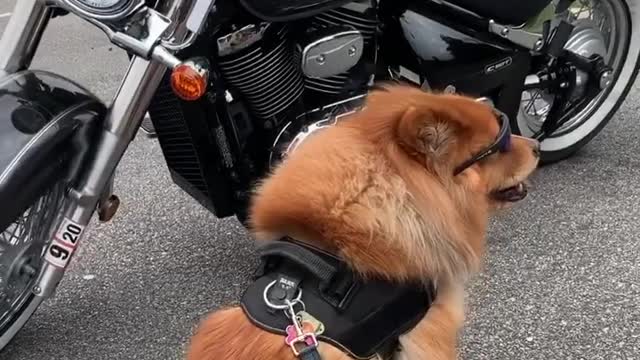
(296, 78)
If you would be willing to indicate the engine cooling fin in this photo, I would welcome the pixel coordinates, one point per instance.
(265, 73)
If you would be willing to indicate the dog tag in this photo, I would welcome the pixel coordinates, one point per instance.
(308, 321)
(306, 336)
(299, 337)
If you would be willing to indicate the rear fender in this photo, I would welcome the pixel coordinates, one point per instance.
(47, 127)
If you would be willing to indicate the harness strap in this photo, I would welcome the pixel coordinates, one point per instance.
(310, 354)
(362, 317)
(300, 256)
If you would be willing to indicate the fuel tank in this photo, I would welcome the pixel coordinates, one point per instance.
(442, 49)
(289, 10)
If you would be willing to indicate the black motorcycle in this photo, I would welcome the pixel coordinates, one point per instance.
(233, 86)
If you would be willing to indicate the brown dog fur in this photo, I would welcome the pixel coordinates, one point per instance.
(378, 190)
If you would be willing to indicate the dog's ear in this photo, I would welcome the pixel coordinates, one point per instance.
(427, 133)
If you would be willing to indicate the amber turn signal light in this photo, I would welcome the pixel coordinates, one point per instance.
(189, 79)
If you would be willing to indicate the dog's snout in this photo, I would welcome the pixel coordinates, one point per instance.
(533, 143)
(536, 149)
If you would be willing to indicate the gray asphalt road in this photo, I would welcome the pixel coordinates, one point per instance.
(561, 280)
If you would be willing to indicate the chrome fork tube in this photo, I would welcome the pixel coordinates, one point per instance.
(122, 121)
(22, 35)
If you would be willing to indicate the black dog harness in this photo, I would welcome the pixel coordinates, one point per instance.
(308, 295)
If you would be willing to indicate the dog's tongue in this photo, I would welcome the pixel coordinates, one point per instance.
(512, 194)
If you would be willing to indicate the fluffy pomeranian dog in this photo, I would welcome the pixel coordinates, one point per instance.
(401, 191)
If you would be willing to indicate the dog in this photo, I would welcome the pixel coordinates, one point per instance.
(402, 190)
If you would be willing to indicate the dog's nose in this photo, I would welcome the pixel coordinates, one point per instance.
(536, 149)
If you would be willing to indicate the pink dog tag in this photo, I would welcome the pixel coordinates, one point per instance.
(307, 335)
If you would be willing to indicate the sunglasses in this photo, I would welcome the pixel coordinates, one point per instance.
(502, 144)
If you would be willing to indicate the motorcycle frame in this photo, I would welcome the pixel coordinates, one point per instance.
(123, 116)
(225, 190)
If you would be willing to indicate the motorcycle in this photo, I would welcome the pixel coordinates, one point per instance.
(233, 86)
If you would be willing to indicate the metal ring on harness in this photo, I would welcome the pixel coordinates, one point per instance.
(292, 304)
(298, 298)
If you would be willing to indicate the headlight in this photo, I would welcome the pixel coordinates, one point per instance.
(103, 5)
(104, 9)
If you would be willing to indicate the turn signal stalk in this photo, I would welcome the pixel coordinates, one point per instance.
(189, 79)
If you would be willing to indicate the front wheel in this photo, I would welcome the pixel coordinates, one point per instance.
(610, 28)
(22, 246)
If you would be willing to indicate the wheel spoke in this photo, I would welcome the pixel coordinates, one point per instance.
(532, 102)
(31, 230)
(12, 234)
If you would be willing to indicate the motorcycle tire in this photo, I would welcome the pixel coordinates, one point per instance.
(595, 116)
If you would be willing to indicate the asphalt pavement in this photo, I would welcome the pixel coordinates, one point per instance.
(561, 280)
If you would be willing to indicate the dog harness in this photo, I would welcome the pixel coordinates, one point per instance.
(308, 295)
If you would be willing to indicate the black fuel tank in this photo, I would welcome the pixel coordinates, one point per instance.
(437, 48)
(423, 44)
(289, 10)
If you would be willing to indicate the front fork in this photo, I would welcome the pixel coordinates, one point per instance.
(122, 121)
(22, 35)
(121, 124)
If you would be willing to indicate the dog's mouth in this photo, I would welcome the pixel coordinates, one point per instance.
(511, 194)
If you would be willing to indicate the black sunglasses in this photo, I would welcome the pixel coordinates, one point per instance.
(502, 144)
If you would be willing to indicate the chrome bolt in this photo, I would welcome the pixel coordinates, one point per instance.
(504, 32)
(564, 85)
(538, 45)
(228, 97)
(320, 59)
(605, 79)
(36, 290)
(29, 270)
(352, 51)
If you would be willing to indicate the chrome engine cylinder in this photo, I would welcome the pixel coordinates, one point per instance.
(359, 16)
(259, 61)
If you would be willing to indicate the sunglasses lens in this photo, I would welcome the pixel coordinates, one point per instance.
(504, 142)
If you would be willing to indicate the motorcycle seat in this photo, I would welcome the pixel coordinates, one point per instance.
(506, 12)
